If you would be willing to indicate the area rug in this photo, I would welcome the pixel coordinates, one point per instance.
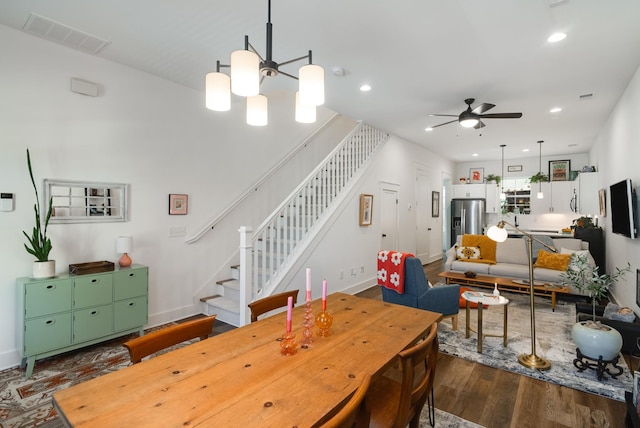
(553, 342)
(27, 402)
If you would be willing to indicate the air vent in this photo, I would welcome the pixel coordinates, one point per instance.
(60, 33)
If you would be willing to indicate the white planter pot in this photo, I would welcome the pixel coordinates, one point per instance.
(595, 343)
(44, 269)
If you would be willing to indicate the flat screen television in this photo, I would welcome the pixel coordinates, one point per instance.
(623, 209)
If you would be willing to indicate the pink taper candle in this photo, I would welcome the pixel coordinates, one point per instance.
(324, 294)
(308, 284)
(289, 309)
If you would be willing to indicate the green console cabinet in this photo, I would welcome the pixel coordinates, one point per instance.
(68, 312)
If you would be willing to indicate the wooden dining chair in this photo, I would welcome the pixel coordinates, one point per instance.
(398, 402)
(151, 343)
(356, 412)
(270, 303)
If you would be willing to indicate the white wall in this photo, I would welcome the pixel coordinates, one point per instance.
(158, 137)
(617, 152)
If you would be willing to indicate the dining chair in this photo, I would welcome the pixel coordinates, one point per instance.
(356, 412)
(397, 402)
(151, 343)
(270, 303)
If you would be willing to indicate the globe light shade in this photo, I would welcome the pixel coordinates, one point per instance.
(498, 234)
(304, 113)
(311, 85)
(540, 195)
(257, 110)
(245, 73)
(469, 123)
(218, 92)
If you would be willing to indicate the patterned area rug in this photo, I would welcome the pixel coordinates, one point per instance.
(553, 342)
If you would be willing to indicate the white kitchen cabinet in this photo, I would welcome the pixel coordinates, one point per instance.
(493, 199)
(559, 197)
(469, 191)
(588, 203)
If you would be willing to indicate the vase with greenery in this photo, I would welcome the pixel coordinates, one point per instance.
(539, 177)
(584, 223)
(491, 177)
(39, 244)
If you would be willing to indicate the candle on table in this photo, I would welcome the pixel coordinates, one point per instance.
(289, 309)
(324, 294)
(308, 284)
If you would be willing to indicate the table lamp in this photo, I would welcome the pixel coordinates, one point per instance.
(124, 245)
(499, 234)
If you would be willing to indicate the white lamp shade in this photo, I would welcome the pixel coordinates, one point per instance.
(311, 85)
(257, 110)
(498, 234)
(304, 113)
(124, 244)
(218, 92)
(245, 73)
(540, 195)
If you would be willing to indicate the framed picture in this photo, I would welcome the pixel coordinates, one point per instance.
(514, 168)
(366, 209)
(602, 202)
(435, 204)
(559, 170)
(178, 204)
(638, 286)
(476, 175)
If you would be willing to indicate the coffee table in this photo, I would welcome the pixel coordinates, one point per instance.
(507, 284)
(485, 299)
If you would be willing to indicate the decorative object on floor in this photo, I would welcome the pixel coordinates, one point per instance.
(124, 245)
(39, 244)
(553, 340)
(248, 68)
(499, 234)
(366, 209)
(600, 340)
(178, 204)
(483, 300)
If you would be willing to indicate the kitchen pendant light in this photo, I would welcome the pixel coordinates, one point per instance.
(249, 68)
(540, 194)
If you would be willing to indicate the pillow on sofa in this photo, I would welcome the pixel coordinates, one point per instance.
(553, 261)
(486, 245)
(467, 253)
(590, 259)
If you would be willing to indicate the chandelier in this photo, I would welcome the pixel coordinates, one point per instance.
(248, 70)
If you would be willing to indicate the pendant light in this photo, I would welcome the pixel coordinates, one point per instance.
(540, 194)
(503, 196)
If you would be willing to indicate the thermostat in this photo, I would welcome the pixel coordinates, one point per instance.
(6, 201)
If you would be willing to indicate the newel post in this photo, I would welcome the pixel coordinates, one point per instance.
(246, 235)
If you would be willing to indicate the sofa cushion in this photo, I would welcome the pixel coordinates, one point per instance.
(510, 270)
(463, 266)
(569, 243)
(486, 245)
(553, 261)
(512, 250)
(466, 253)
(550, 275)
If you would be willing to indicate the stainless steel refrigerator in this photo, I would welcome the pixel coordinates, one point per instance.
(467, 216)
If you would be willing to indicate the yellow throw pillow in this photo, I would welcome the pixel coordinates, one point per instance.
(486, 245)
(553, 261)
(468, 253)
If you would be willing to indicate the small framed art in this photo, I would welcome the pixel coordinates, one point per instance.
(638, 287)
(476, 175)
(559, 170)
(435, 204)
(514, 168)
(602, 202)
(178, 204)
(366, 209)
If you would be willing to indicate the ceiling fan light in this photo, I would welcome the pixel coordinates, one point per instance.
(469, 122)
(257, 110)
(245, 73)
(311, 85)
(304, 113)
(218, 91)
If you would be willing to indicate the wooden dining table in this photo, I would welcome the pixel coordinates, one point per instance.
(240, 379)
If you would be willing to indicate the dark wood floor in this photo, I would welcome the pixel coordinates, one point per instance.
(496, 398)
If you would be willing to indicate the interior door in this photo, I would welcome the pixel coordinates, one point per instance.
(389, 216)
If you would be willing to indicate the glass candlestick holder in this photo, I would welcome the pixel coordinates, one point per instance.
(307, 326)
(288, 344)
(323, 321)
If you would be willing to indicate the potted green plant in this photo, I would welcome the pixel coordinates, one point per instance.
(591, 337)
(493, 178)
(39, 244)
(538, 177)
(584, 223)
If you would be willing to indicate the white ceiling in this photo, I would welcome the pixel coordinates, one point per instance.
(420, 57)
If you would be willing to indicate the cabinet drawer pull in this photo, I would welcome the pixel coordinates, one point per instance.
(95, 280)
(51, 286)
(93, 313)
(132, 304)
(50, 322)
(132, 274)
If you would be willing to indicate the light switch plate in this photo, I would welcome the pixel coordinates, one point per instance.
(6, 201)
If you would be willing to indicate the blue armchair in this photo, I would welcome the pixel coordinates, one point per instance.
(444, 299)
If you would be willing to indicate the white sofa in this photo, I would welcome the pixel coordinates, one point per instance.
(512, 260)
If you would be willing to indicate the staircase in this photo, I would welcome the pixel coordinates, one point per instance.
(267, 254)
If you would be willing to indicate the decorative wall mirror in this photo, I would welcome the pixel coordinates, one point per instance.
(86, 202)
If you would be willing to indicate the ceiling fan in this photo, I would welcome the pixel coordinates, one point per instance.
(471, 118)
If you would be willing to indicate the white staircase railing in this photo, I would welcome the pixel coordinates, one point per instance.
(283, 235)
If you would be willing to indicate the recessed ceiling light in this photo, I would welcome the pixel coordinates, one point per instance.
(555, 110)
(475, 155)
(556, 37)
(365, 88)
(525, 150)
(429, 129)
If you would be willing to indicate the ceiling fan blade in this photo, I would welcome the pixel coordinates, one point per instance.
(479, 125)
(482, 108)
(446, 123)
(444, 115)
(501, 116)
